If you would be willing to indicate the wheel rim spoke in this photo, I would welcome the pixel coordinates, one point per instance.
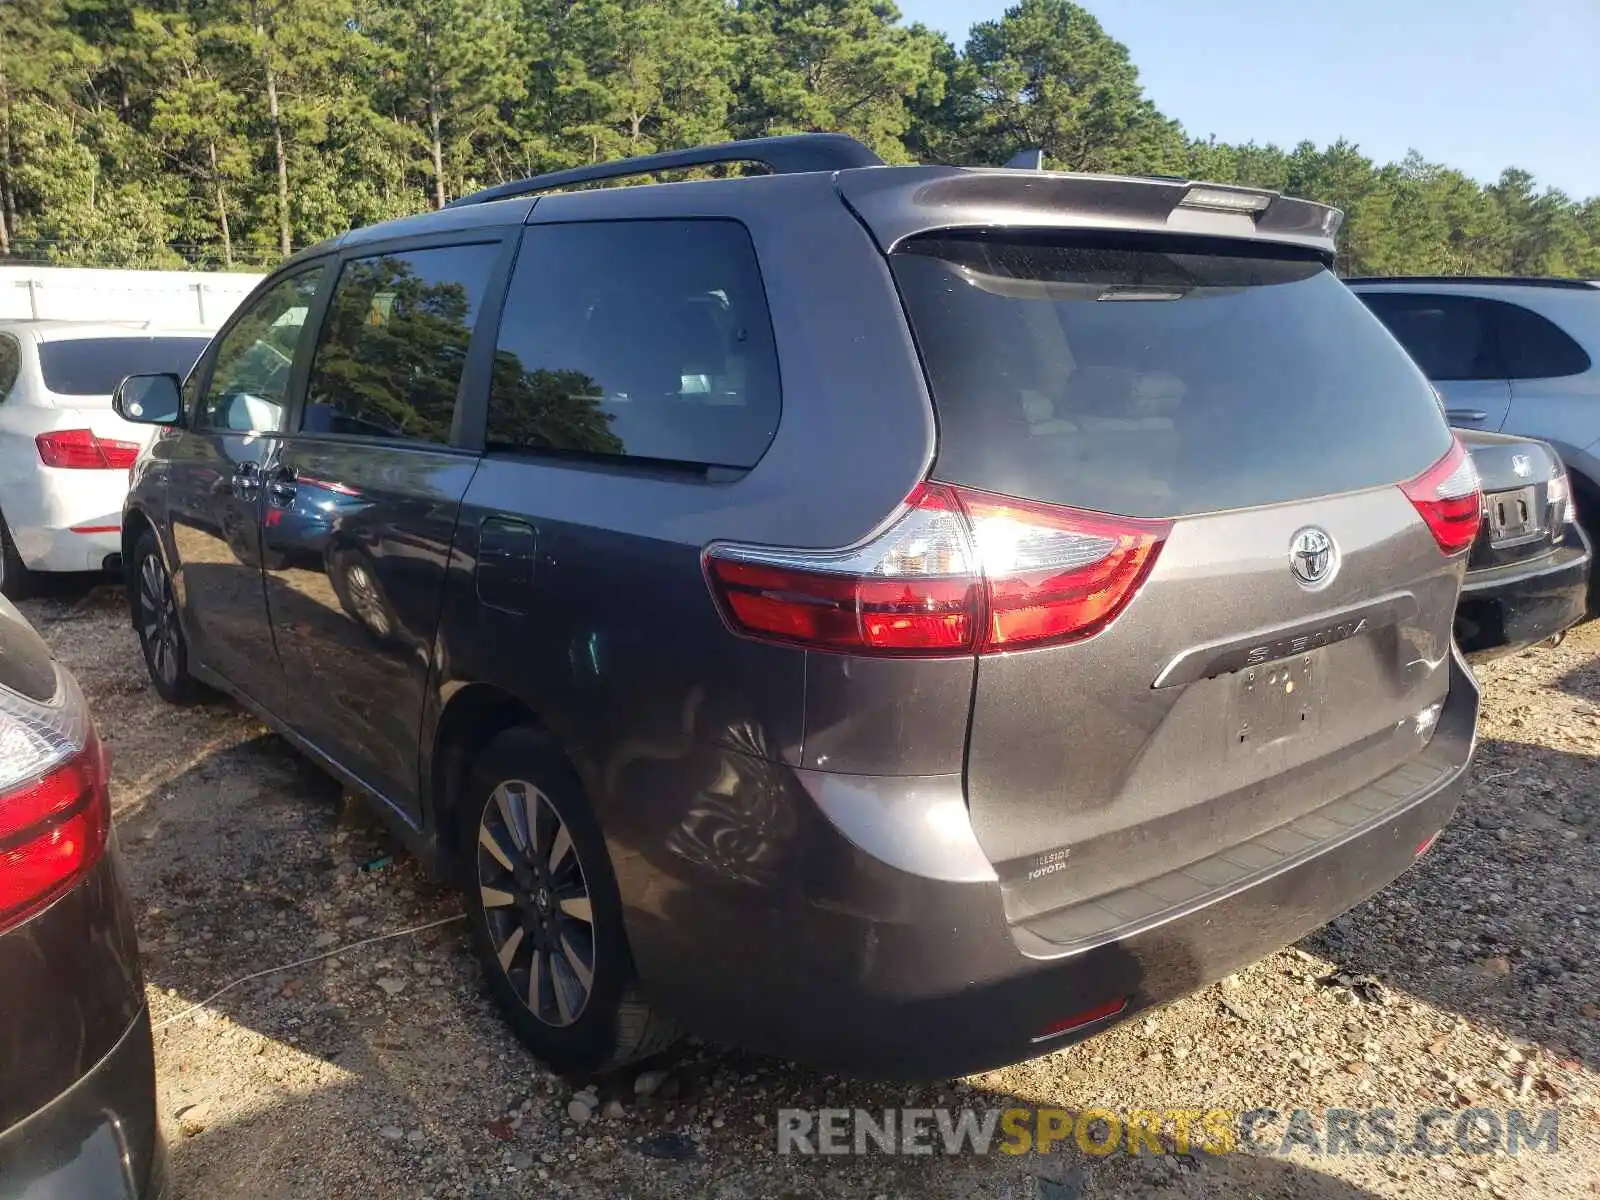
(508, 951)
(561, 848)
(536, 982)
(491, 843)
(580, 969)
(508, 814)
(559, 987)
(495, 897)
(579, 908)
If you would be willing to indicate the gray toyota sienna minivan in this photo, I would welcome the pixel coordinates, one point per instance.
(902, 618)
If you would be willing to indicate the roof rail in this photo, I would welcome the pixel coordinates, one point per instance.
(785, 155)
(1520, 280)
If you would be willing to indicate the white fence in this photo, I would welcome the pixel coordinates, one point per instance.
(166, 299)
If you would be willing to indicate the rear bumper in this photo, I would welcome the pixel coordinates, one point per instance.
(1504, 609)
(46, 508)
(45, 549)
(814, 949)
(98, 1138)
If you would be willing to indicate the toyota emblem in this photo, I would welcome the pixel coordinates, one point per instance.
(1313, 557)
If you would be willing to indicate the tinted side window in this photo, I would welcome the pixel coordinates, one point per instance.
(249, 385)
(10, 359)
(1449, 337)
(645, 339)
(395, 341)
(94, 366)
(1536, 348)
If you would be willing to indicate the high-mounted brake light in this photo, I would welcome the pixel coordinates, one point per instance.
(956, 571)
(1449, 498)
(1225, 200)
(54, 809)
(81, 449)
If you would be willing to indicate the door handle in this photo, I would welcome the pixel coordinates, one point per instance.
(281, 488)
(1466, 414)
(246, 479)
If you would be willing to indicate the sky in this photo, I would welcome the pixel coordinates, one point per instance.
(1479, 85)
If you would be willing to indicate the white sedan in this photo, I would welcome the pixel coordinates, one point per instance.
(64, 455)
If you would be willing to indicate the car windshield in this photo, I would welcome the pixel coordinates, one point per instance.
(1158, 378)
(94, 366)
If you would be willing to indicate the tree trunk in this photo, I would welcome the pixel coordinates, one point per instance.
(435, 141)
(274, 119)
(8, 204)
(222, 207)
(436, 148)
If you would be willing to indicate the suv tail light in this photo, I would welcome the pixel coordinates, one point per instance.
(1448, 497)
(82, 449)
(955, 571)
(54, 809)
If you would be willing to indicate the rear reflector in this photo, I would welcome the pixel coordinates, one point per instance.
(1109, 1009)
(81, 449)
(955, 571)
(1426, 844)
(1448, 497)
(54, 809)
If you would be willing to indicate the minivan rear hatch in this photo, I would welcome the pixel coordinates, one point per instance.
(1289, 644)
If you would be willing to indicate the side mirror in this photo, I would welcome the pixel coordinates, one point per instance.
(149, 399)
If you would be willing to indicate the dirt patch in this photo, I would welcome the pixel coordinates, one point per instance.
(383, 1070)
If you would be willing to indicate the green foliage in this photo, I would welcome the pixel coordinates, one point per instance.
(225, 132)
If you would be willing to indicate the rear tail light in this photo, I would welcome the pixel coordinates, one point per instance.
(82, 449)
(54, 809)
(956, 571)
(1449, 499)
(1562, 509)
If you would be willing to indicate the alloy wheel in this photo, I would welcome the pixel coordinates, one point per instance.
(536, 902)
(158, 620)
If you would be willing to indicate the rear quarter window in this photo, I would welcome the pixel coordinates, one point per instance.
(94, 366)
(644, 340)
(1158, 378)
(1536, 347)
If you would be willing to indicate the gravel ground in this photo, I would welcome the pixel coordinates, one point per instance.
(384, 1071)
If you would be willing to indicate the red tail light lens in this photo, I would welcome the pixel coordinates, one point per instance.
(54, 809)
(1448, 497)
(955, 572)
(1056, 574)
(81, 449)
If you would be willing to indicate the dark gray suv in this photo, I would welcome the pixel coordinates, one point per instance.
(900, 618)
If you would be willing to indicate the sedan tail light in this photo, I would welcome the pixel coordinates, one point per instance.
(1449, 499)
(55, 812)
(84, 450)
(954, 571)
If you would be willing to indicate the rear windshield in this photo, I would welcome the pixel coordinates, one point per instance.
(94, 366)
(1158, 382)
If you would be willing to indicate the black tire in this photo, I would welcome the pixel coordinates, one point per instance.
(155, 621)
(16, 581)
(610, 1024)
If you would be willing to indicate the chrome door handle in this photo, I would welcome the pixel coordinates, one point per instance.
(246, 479)
(1466, 414)
(281, 487)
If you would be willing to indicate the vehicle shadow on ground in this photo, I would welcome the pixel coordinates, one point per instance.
(262, 1155)
(1492, 911)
